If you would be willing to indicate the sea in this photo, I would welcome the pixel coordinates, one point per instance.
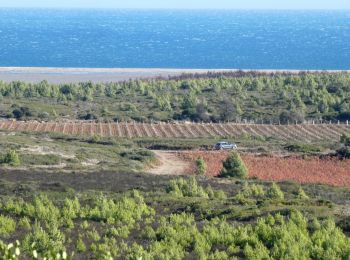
(202, 39)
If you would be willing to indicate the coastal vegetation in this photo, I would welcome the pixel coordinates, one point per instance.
(178, 218)
(213, 97)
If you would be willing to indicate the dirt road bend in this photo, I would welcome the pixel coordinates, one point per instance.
(169, 164)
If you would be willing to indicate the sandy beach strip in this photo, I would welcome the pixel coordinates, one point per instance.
(100, 75)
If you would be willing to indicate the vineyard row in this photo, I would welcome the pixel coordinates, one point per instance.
(301, 132)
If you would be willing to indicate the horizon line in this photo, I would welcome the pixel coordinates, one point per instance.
(174, 8)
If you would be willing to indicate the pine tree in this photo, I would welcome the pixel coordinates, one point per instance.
(234, 166)
(275, 192)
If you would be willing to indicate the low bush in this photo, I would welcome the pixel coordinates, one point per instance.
(302, 195)
(139, 155)
(80, 245)
(11, 158)
(44, 241)
(190, 188)
(304, 148)
(7, 225)
(343, 152)
(345, 140)
(186, 188)
(25, 223)
(275, 192)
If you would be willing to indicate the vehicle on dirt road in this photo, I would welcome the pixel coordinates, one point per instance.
(225, 146)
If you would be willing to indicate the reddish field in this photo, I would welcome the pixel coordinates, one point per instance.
(310, 170)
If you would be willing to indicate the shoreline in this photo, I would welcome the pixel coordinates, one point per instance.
(100, 75)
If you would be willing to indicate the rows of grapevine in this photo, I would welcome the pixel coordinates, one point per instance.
(300, 132)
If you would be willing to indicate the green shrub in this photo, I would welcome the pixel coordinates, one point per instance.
(7, 225)
(11, 158)
(304, 148)
(344, 152)
(149, 233)
(220, 194)
(275, 192)
(186, 188)
(93, 235)
(345, 139)
(234, 166)
(45, 210)
(80, 245)
(253, 190)
(10, 251)
(217, 194)
(201, 166)
(302, 195)
(43, 241)
(95, 139)
(124, 212)
(85, 224)
(25, 223)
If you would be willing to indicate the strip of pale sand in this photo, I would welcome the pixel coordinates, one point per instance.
(100, 75)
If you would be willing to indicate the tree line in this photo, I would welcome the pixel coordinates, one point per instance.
(209, 98)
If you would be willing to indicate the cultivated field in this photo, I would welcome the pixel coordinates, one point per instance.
(311, 169)
(299, 132)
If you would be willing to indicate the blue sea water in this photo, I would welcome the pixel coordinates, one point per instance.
(175, 39)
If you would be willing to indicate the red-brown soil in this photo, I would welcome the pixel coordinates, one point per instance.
(311, 169)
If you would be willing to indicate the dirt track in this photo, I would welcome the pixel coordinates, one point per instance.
(169, 164)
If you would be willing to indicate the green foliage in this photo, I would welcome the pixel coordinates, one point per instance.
(126, 225)
(44, 241)
(344, 152)
(234, 166)
(250, 192)
(345, 139)
(10, 251)
(95, 139)
(25, 223)
(279, 98)
(7, 225)
(80, 245)
(304, 148)
(11, 158)
(94, 235)
(179, 236)
(302, 195)
(186, 188)
(329, 242)
(190, 188)
(253, 190)
(201, 166)
(125, 212)
(275, 192)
